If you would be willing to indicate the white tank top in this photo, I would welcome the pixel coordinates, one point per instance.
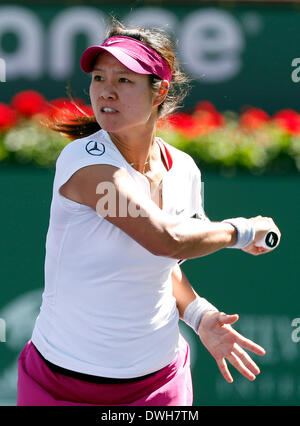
(107, 307)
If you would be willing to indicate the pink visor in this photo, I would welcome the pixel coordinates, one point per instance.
(132, 53)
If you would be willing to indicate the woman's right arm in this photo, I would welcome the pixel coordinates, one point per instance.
(114, 195)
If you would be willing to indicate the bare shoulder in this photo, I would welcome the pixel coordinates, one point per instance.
(82, 185)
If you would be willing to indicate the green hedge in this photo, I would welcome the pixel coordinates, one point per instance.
(251, 141)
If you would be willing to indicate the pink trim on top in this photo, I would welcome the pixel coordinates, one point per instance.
(166, 153)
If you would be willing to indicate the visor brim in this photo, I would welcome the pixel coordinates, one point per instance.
(89, 56)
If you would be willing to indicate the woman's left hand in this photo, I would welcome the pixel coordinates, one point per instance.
(223, 342)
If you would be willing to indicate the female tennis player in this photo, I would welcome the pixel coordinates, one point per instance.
(126, 211)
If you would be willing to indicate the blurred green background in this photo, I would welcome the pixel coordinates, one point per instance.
(239, 53)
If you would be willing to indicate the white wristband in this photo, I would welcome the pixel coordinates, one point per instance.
(245, 231)
(195, 311)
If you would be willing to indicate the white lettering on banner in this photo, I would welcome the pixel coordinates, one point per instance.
(152, 17)
(63, 30)
(2, 71)
(211, 43)
(26, 61)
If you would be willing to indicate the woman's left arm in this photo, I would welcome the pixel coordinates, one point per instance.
(216, 333)
(182, 290)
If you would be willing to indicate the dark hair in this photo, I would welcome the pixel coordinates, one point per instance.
(179, 87)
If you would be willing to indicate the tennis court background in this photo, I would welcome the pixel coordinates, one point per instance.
(253, 67)
(263, 290)
(238, 53)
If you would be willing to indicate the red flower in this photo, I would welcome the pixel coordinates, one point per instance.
(254, 118)
(181, 120)
(28, 103)
(184, 123)
(208, 117)
(8, 117)
(203, 120)
(205, 106)
(289, 120)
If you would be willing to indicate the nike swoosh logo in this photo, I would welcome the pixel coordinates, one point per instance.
(179, 211)
(113, 41)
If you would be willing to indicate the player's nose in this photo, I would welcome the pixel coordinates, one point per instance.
(108, 92)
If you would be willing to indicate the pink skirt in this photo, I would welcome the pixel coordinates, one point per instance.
(38, 385)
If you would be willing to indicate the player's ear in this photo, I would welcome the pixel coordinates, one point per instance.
(164, 87)
(162, 92)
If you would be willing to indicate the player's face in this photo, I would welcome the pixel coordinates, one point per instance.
(127, 94)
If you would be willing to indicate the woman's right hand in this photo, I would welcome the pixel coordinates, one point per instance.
(261, 225)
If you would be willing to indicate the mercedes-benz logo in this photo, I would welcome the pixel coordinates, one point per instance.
(95, 148)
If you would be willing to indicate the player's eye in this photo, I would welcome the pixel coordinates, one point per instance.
(98, 77)
(124, 80)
